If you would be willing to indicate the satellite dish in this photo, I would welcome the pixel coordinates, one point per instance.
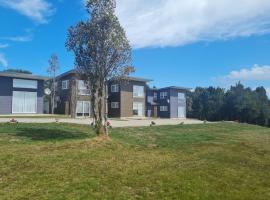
(47, 91)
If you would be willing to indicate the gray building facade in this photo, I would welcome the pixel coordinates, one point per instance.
(21, 93)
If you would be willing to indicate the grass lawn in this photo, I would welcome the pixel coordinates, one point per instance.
(34, 116)
(62, 161)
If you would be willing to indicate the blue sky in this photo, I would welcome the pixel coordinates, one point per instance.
(175, 42)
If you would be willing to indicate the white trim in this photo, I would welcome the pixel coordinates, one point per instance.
(114, 88)
(65, 84)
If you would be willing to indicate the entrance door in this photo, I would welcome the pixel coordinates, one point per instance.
(24, 102)
(83, 109)
(181, 112)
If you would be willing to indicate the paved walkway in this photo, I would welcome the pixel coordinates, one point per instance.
(115, 122)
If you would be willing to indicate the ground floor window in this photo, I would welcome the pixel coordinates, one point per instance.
(163, 108)
(24, 102)
(138, 109)
(83, 109)
(115, 105)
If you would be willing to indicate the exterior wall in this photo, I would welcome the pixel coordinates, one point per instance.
(164, 102)
(6, 92)
(114, 97)
(6, 95)
(127, 99)
(175, 102)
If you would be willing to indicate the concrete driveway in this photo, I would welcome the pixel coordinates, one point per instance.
(128, 122)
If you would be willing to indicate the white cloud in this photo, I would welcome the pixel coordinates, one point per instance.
(3, 61)
(25, 38)
(37, 10)
(2, 46)
(256, 73)
(159, 23)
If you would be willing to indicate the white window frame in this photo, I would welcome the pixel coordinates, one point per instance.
(163, 108)
(181, 96)
(115, 105)
(65, 84)
(115, 88)
(138, 91)
(83, 108)
(163, 95)
(25, 83)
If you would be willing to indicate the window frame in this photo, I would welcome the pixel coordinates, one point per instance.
(163, 109)
(114, 88)
(163, 95)
(66, 84)
(115, 105)
(138, 93)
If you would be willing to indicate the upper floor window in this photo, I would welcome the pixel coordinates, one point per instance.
(181, 96)
(163, 95)
(155, 96)
(163, 108)
(65, 84)
(138, 91)
(23, 83)
(114, 88)
(81, 85)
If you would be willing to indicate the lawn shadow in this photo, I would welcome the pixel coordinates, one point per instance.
(46, 134)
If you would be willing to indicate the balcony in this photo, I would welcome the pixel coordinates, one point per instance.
(84, 92)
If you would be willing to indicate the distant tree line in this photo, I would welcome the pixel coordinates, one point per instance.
(236, 104)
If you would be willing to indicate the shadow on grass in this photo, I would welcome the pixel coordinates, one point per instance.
(45, 134)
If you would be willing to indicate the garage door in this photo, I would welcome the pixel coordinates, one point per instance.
(24, 102)
(181, 112)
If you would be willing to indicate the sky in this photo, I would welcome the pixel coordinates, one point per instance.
(185, 43)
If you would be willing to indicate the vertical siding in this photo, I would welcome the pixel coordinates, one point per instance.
(164, 102)
(175, 103)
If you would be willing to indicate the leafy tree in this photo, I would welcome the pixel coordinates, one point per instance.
(102, 52)
(52, 70)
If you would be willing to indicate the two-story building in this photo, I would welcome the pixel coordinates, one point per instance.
(21, 93)
(72, 93)
(127, 97)
(169, 102)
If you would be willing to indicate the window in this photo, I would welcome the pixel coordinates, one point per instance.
(181, 96)
(155, 96)
(23, 83)
(163, 108)
(83, 88)
(83, 109)
(114, 88)
(163, 95)
(115, 105)
(65, 85)
(24, 102)
(138, 91)
(138, 109)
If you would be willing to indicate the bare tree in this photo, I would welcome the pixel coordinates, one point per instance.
(52, 70)
(102, 52)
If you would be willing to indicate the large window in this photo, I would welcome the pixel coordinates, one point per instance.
(163, 108)
(114, 88)
(83, 108)
(24, 102)
(181, 96)
(23, 83)
(138, 91)
(163, 95)
(83, 88)
(138, 109)
(115, 105)
(65, 85)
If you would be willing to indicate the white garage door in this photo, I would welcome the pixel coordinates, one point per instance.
(24, 102)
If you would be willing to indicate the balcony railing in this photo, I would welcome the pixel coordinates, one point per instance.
(84, 92)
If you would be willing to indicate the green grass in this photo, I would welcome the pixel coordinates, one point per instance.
(63, 161)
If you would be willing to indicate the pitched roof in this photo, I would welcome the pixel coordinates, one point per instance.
(22, 75)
